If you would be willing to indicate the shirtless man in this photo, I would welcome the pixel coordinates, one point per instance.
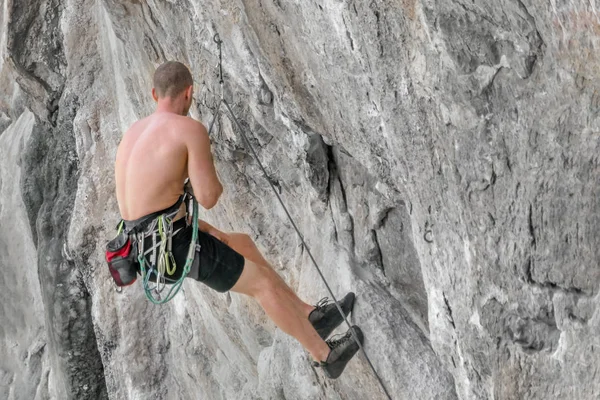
(156, 155)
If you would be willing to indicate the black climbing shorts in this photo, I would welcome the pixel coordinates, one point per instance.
(215, 264)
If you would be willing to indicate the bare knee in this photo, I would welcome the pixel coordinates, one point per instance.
(268, 282)
(254, 279)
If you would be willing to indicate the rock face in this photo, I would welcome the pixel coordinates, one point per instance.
(441, 157)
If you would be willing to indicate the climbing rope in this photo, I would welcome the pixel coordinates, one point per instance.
(287, 213)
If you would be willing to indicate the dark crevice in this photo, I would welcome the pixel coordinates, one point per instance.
(317, 162)
(449, 309)
(377, 256)
(384, 216)
(565, 289)
(332, 169)
(348, 35)
(350, 39)
(335, 179)
(549, 285)
(507, 155)
(334, 173)
(379, 34)
(531, 227)
(343, 191)
(335, 231)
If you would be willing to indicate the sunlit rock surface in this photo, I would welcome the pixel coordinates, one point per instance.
(442, 159)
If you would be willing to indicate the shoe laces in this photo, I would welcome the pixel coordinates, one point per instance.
(338, 340)
(322, 303)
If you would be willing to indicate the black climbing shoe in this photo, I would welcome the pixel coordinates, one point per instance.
(326, 317)
(342, 350)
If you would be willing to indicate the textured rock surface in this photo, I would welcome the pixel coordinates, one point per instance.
(441, 157)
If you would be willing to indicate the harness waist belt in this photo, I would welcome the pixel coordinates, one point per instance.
(140, 224)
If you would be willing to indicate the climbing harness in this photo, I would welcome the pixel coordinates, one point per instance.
(233, 118)
(128, 249)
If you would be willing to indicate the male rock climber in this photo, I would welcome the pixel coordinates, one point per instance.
(156, 155)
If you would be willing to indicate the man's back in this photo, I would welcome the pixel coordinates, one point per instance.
(152, 164)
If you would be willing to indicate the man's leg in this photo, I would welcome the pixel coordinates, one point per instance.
(240, 242)
(282, 305)
(279, 301)
(244, 245)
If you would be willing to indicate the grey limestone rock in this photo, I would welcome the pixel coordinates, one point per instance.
(442, 158)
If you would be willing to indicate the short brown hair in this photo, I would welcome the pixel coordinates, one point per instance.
(171, 78)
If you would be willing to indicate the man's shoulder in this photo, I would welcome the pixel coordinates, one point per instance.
(190, 126)
(178, 123)
(192, 122)
(139, 125)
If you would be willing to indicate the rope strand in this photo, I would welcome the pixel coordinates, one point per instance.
(219, 43)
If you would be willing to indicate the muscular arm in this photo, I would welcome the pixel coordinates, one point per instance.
(201, 167)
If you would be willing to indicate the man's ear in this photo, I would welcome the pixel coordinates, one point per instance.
(188, 93)
(154, 95)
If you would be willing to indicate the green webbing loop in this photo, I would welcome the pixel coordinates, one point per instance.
(176, 286)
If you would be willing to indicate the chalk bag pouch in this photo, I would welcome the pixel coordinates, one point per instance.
(121, 256)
